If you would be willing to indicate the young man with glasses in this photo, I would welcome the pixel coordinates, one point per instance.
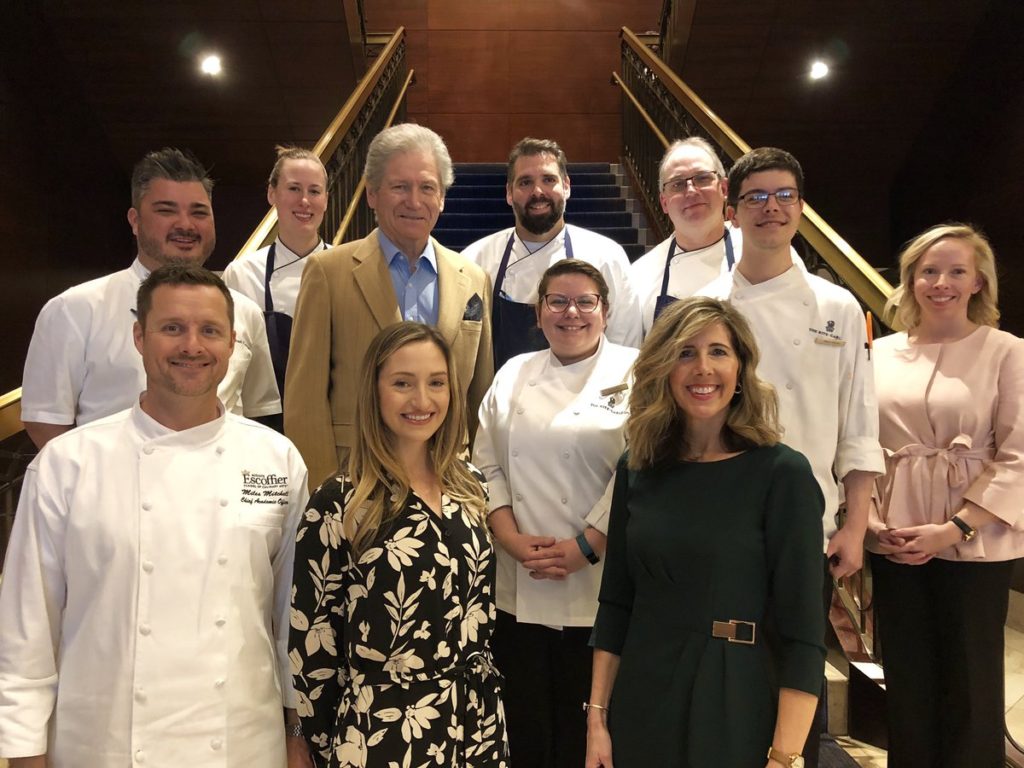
(812, 338)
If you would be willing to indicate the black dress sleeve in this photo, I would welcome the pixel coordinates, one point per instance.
(615, 600)
(793, 538)
(318, 606)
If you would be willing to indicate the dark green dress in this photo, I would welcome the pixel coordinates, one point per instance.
(688, 544)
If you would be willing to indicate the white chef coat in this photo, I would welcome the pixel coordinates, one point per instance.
(525, 270)
(146, 596)
(248, 274)
(812, 337)
(548, 444)
(82, 363)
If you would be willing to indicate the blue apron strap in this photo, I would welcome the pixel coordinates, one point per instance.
(268, 299)
(668, 265)
(499, 279)
(730, 256)
(568, 244)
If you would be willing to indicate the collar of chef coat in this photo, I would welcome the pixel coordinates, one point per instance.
(794, 277)
(151, 430)
(285, 256)
(579, 372)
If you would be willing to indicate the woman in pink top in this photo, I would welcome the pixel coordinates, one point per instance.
(950, 514)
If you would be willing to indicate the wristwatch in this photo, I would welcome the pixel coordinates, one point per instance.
(293, 729)
(587, 550)
(965, 528)
(790, 761)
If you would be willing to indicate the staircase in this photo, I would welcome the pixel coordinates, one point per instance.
(475, 206)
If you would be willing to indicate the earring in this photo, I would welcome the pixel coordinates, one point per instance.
(739, 388)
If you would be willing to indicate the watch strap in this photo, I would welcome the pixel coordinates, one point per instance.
(587, 550)
(794, 760)
(965, 528)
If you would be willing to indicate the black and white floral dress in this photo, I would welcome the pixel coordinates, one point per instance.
(390, 654)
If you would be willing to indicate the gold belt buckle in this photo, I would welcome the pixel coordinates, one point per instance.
(726, 630)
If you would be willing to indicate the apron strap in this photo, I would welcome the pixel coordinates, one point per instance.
(268, 299)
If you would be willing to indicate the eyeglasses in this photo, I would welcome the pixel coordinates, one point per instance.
(759, 198)
(586, 303)
(702, 180)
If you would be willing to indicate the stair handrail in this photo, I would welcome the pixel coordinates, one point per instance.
(861, 278)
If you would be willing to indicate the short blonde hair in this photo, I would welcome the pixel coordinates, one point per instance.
(380, 481)
(656, 430)
(982, 308)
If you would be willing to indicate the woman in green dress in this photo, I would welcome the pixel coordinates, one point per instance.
(715, 531)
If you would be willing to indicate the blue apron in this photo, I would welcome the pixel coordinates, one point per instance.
(279, 325)
(664, 299)
(514, 324)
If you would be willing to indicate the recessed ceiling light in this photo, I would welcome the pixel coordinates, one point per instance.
(819, 69)
(210, 65)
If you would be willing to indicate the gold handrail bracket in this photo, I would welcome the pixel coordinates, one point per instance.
(10, 414)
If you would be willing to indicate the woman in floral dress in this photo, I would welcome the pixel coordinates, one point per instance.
(393, 597)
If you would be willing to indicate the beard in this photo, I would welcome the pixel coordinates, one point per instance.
(539, 223)
(163, 254)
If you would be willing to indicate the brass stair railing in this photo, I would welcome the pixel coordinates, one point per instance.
(377, 101)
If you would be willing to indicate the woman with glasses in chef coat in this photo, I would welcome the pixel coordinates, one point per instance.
(550, 435)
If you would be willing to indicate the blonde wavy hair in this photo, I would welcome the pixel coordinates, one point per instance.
(656, 430)
(982, 308)
(380, 482)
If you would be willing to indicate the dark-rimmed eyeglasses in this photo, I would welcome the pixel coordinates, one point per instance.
(558, 303)
(758, 198)
(702, 180)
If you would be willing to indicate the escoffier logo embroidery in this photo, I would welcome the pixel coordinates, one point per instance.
(258, 488)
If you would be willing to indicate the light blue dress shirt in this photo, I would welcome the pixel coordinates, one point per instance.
(416, 291)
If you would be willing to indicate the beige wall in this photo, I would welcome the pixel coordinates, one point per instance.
(489, 72)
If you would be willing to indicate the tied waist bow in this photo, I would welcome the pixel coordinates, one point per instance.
(922, 481)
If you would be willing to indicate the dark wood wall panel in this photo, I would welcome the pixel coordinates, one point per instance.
(489, 73)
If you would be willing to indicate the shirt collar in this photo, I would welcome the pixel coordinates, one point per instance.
(150, 429)
(391, 250)
(139, 270)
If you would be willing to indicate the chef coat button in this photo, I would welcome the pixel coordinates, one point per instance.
(565, 500)
(575, 413)
(519, 409)
(519, 497)
(533, 383)
(515, 453)
(223, 502)
(147, 566)
(148, 450)
(216, 743)
(796, 342)
(220, 449)
(222, 559)
(144, 629)
(218, 683)
(789, 385)
(220, 621)
(565, 454)
(140, 756)
(140, 696)
(147, 506)
(737, 296)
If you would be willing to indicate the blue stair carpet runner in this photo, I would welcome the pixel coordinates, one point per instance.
(475, 206)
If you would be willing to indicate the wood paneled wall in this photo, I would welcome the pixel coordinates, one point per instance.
(489, 72)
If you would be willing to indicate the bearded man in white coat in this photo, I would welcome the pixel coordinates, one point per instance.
(146, 591)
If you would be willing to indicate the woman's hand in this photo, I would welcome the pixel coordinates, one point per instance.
(557, 561)
(884, 540)
(599, 744)
(521, 546)
(922, 542)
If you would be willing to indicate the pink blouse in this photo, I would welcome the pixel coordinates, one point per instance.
(951, 422)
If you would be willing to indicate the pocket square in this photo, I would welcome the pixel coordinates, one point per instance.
(474, 309)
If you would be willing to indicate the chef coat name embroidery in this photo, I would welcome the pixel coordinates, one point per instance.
(828, 335)
(258, 488)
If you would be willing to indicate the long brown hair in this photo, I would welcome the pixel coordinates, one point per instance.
(656, 430)
(380, 482)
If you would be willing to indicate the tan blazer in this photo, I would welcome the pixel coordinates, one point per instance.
(345, 299)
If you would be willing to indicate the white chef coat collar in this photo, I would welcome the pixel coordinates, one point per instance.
(581, 368)
(681, 253)
(557, 240)
(792, 277)
(283, 255)
(139, 270)
(151, 430)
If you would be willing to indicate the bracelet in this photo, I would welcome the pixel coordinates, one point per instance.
(587, 705)
(293, 729)
(587, 550)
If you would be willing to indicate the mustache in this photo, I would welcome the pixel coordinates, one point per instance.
(186, 233)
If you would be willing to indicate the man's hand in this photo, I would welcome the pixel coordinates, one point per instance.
(847, 546)
(558, 561)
